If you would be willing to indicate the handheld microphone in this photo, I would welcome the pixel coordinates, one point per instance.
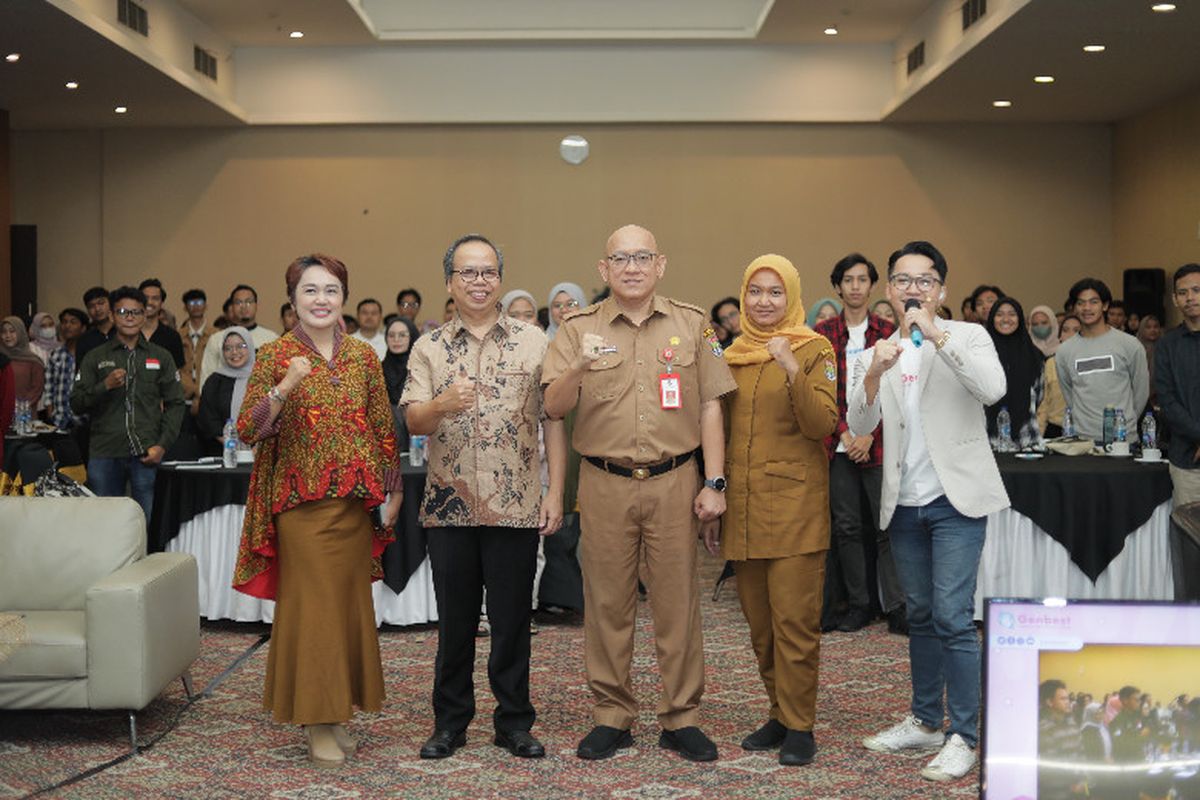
(914, 334)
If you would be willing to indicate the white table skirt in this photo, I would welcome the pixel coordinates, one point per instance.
(1021, 560)
(213, 537)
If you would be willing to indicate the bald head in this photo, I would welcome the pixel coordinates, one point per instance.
(631, 238)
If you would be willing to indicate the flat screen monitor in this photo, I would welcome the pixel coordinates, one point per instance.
(1090, 699)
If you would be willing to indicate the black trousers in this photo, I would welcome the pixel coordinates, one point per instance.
(853, 534)
(464, 561)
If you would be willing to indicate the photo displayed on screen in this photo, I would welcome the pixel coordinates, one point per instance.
(1091, 700)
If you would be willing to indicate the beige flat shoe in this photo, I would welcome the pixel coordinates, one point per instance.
(323, 749)
(345, 741)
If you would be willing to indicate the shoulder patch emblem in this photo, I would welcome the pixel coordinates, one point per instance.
(830, 370)
(714, 344)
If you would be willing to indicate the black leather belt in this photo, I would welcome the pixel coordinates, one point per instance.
(640, 473)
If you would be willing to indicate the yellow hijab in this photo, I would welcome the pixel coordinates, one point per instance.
(751, 346)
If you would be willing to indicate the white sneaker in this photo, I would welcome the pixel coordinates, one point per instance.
(907, 735)
(954, 761)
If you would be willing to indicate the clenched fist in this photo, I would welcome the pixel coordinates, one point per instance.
(114, 379)
(591, 347)
(298, 369)
(885, 357)
(780, 348)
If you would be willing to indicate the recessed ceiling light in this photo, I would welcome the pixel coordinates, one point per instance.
(120, 109)
(1043, 79)
(12, 58)
(72, 84)
(831, 30)
(1002, 103)
(296, 34)
(1163, 8)
(1093, 48)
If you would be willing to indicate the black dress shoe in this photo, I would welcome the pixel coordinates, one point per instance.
(520, 743)
(689, 742)
(855, 620)
(798, 749)
(602, 742)
(897, 620)
(830, 621)
(768, 737)
(443, 744)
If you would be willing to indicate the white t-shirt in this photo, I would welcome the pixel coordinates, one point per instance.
(854, 347)
(919, 484)
(378, 341)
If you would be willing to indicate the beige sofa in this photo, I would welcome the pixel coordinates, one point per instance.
(105, 625)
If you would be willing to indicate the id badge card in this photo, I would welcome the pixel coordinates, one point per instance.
(668, 390)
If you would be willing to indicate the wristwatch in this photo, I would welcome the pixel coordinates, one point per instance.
(717, 483)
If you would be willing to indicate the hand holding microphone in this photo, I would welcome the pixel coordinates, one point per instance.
(919, 321)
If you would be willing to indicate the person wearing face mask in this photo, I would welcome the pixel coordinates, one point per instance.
(1024, 373)
(223, 392)
(1044, 331)
(43, 336)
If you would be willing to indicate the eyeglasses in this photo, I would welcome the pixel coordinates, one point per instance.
(131, 312)
(245, 301)
(233, 348)
(923, 282)
(470, 275)
(622, 260)
(195, 303)
(410, 304)
(567, 306)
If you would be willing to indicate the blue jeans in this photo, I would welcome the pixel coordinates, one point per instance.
(107, 478)
(937, 552)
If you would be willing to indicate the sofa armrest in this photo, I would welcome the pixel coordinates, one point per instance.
(143, 630)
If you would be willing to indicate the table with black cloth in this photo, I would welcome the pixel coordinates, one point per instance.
(200, 511)
(27, 456)
(1082, 527)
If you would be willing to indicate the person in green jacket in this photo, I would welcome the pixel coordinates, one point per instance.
(131, 390)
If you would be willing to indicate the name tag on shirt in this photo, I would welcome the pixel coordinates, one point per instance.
(152, 363)
(1085, 366)
(668, 390)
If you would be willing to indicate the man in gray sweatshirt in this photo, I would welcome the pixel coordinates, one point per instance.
(1102, 366)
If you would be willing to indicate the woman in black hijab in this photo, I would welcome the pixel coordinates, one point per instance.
(1024, 368)
(400, 334)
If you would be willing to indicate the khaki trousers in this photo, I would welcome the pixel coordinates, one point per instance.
(622, 519)
(781, 598)
(1186, 485)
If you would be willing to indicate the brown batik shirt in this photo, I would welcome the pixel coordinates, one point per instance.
(483, 461)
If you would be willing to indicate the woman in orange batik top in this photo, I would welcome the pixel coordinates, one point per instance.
(317, 407)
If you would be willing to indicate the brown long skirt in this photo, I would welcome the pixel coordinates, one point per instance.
(324, 655)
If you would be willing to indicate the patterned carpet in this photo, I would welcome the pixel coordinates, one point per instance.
(225, 746)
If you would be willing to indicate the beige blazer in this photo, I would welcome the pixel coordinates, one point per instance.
(955, 383)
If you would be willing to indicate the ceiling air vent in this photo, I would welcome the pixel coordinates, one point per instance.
(133, 16)
(972, 10)
(916, 58)
(206, 62)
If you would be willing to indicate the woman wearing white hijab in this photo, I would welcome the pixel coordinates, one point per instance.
(43, 336)
(519, 304)
(1043, 330)
(564, 298)
(223, 391)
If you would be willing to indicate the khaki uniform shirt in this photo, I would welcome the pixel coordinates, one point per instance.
(483, 462)
(621, 417)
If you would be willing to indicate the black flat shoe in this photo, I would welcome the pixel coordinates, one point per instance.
(602, 742)
(768, 737)
(855, 620)
(443, 744)
(521, 744)
(798, 749)
(689, 742)
(897, 621)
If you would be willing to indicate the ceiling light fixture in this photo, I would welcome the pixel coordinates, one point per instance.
(1043, 79)
(72, 84)
(12, 58)
(831, 30)
(1093, 48)
(296, 35)
(120, 109)
(1163, 8)
(1002, 103)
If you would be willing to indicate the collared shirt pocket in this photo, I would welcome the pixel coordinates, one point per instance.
(604, 378)
(785, 479)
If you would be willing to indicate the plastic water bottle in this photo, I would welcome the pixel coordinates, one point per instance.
(229, 455)
(1149, 432)
(1068, 423)
(1004, 431)
(416, 450)
(1120, 429)
(1109, 429)
(24, 418)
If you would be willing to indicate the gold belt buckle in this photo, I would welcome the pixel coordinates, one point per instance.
(641, 473)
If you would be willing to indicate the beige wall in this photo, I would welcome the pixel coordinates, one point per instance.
(1029, 207)
(1156, 188)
